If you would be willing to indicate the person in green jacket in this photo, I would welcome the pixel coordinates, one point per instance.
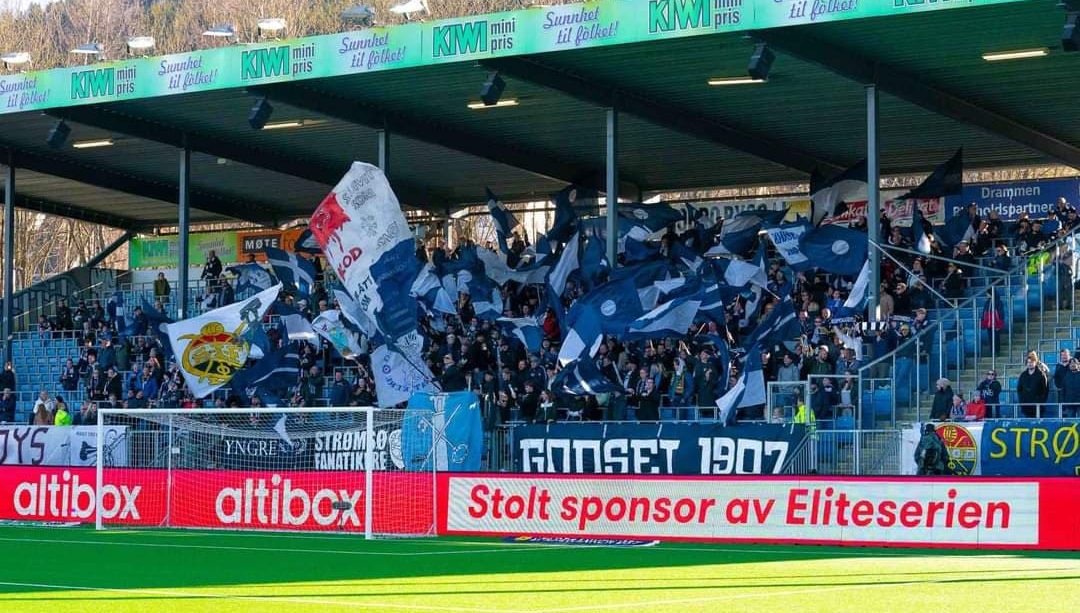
(61, 417)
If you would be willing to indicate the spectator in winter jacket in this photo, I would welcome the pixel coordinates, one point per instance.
(989, 389)
(1061, 369)
(789, 370)
(942, 400)
(1031, 387)
(976, 409)
(1070, 391)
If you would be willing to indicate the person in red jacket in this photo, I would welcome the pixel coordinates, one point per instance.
(976, 409)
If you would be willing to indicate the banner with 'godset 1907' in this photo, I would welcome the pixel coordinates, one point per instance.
(264, 500)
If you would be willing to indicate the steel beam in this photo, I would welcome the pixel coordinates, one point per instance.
(426, 130)
(873, 203)
(64, 209)
(9, 253)
(109, 249)
(183, 226)
(667, 115)
(612, 188)
(895, 82)
(143, 129)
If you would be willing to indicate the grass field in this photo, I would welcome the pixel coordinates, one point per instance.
(61, 570)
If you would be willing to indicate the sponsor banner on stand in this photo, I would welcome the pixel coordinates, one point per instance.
(279, 500)
(942, 512)
(61, 445)
(255, 243)
(727, 209)
(537, 29)
(898, 211)
(1014, 199)
(346, 450)
(1031, 447)
(164, 251)
(658, 449)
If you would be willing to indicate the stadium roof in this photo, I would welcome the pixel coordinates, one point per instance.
(676, 132)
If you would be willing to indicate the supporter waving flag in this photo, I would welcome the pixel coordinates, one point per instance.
(836, 249)
(505, 222)
(294, 272)
(583, 378)
(828, 195)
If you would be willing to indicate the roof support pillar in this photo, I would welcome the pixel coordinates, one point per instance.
(9, 252)
(182, 227)
(612, 175)
(873, 202)
(383, 135)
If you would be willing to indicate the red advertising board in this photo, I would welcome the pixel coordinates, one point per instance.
(910, 512)
(402, 501)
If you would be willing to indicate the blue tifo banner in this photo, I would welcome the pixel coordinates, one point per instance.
(1031, 448)
(656, 449)
(1012, 199)
(456, 439)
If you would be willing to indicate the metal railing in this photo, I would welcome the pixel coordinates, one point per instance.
(848, 452)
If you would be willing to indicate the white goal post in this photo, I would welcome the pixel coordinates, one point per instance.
(355, 470)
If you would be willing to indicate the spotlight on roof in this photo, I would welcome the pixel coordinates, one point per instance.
(140, 45)
(492, 89)
(360, 15)
(760, 62)
(260, 114)
(88, 49)
(15, 59)
(58, 135)
(1070, 37)
(408, 7)
(271, 27)
(222, 30)
(1015, 54)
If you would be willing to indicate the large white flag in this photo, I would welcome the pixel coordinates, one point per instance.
(329, 326)
(212, 347)
(366, 240)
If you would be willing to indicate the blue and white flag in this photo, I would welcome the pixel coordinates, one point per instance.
(294, 272)
(583, 378)
(920, 238)
(958, 229)
(594, 265)
(946, 180)
(740, 273)
(568, 263)
(330, 325)
(430, 292)
(505, 222)
(712, 304)
(617, 303)
(827, 194)
(497, 270)
(780, 325)
(836, 249)
(687, 256)
(252, 278)
(737, 236)
(787, 238)
(486, 298)
(214, 346)
(857, 298)
(400, 371)
(673, 318)
(271, 376)
(525, 329)
(584, 335)
(566, 203)
(753, 379)
(727, 405)
(362, 230)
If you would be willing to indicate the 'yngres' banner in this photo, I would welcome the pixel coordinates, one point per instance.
(657, 449)
(1031, 447)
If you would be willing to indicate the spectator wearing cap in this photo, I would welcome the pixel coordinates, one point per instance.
(939, 411)
(990, 391)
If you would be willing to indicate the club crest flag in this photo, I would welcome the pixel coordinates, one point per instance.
(212, 347)
(358, 226)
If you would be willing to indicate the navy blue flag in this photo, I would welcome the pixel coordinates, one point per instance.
(836, 249)
(594, 265)
(306, 243)
(654, 217)
(395, 271)
(920, 239)
(525, 329)
(566, 201)
(946, 180)
(957, 229)
(505, 222)
(295, 273)
(583, 378)
(828, 195)
(780, 325)
(686, 256)
(273, 375)
(154, 319)
(769, 217)
(738, 236)
(617, 303)
(581, 339)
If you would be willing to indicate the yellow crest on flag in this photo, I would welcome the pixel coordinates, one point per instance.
(214, 354)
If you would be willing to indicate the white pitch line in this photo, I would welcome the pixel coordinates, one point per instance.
(284, 599)
(502, 549)
(756, 595)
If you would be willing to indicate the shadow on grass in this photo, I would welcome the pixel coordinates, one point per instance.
(121, 560)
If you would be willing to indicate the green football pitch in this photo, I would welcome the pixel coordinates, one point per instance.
(60, 570)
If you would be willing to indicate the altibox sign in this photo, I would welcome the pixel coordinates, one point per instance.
(296, 500)
(974, 513)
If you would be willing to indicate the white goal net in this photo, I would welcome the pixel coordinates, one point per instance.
(359, 470)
